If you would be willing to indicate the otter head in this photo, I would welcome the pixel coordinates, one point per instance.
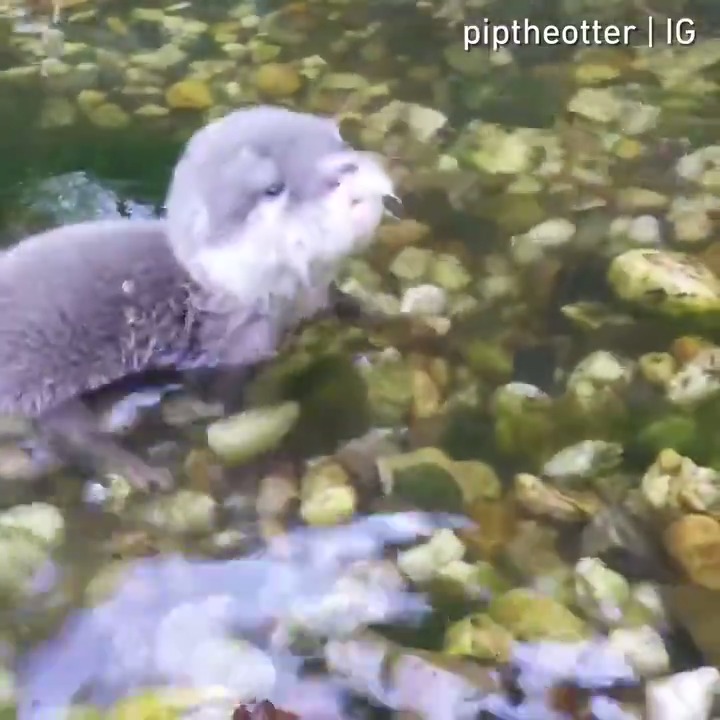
(265, 202)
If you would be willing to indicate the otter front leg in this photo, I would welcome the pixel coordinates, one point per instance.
(72, 431)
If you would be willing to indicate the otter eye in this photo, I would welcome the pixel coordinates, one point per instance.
(275, 189)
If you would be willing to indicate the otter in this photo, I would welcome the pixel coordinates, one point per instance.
(262, 206)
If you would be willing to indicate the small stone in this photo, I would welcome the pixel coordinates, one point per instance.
(277, 80)
(402, 233)
(424, 300)
(657, 368)
(253, 432)
(531, 246)
(189, 95)
(448, 272)
(163, 58)
(583, 461)
(502, 152)
(411, 264)
(599, 104)
(328, 497)
(479, 636)
(152, 111)
(644, 230)
(109, 116)
(88, 100)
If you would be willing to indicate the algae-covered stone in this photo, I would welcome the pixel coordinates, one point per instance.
(412, 264)
(402, 233)
(502, 152)
(643, 648)
(44, 521)
(479, 636)
(668, 282)
(189, 94)
(532, 245)
(277, 80)
(89, 98)
(595, 381)
(152, 111)
(24, 555)
(425, 561)
(448, 272)
(530, 616)
(390, 391)
(599, 104)
(470, 581)
(676, 432)
(601, 592)
(657, 368)
(253, 432)
(523, 419)
(327, 495)
(583, 461)
(163, 58)
(541, 499)
(428, 478)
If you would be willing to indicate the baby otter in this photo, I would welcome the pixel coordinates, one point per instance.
(262, 206)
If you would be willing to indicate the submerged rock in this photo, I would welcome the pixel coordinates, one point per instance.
(583, 461)
(327, 494)
(253, 432)
(543, 500)
(668, 282)
(189, 95)
(431, 480)
(277, 80)
(674, 483)
(529, 615)
(479, 636)
(601, 592)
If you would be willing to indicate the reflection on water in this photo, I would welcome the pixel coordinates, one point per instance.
(169, 620)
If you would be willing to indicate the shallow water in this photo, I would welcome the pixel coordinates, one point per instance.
(85, 634)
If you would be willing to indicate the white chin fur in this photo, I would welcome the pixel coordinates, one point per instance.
(282, 254)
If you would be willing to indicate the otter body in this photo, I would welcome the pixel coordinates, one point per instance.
(262, 206)
(87, 305)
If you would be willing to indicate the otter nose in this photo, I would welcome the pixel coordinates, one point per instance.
(393, 206)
